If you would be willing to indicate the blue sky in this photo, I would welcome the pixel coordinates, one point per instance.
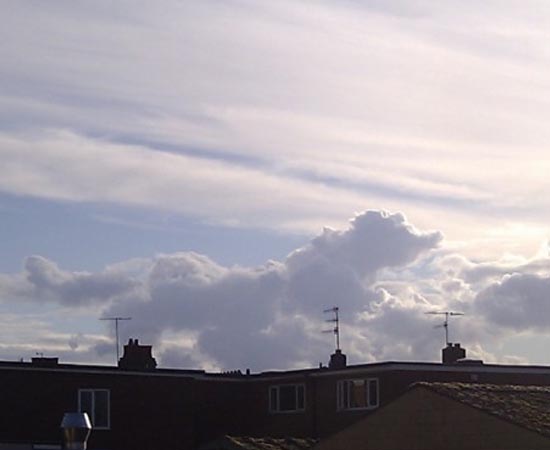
(159, 159)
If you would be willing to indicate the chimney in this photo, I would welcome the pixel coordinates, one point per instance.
(137, 357)
(44, 361)
(76, 429)
(337, 360)
(452, 353)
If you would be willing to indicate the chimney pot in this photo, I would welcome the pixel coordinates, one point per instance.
(76, 429)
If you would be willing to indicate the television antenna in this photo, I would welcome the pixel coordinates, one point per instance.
(445, 324)
(116, 320)
(336, 320)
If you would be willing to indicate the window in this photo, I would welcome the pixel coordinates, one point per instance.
(95, 402)
(357, 394)
(287, 398)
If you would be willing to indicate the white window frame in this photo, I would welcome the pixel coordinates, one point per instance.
(277, 389)
(342, 404)
(92, 418)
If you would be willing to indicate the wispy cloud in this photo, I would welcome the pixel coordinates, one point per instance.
(405, 105)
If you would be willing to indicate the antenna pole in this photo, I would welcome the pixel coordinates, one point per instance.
(116, 320)
(445, 324)
(117, 341)
(446, 327)
(337, 328)
(336, 321)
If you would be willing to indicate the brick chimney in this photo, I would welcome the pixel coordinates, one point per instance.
(452, 353)
(45, 361)
(137, 357)
(337, 360)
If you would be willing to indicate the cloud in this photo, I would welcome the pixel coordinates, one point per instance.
(74, 341)
(219, 115)
(374, 240)
(518, 302)
(43, 281)
(287, 116)
(271, 316)
(65, 166)
(267, 316)
(25, 334)
(381, 271)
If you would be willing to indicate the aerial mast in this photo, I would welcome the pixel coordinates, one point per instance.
(116, 320)
(336, 320)
(445, 324)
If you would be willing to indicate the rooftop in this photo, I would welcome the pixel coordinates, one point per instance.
(52, 364)
(526, 406)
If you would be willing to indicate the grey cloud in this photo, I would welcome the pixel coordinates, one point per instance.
(397, 328)
(272, 314)
(519, 302)
(178, 357)
(475, 273)
(74, 342)
(104, 348)
(73, 288)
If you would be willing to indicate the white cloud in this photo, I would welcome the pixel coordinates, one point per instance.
(69, 167)
(261, 317)
(289, 116)
(324, 109)
(270, 316)
(381, 271)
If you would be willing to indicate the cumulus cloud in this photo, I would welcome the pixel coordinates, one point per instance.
(518, 301)
(73, 288)
(271, 316)
(381, 271)
(261, 317)
(374, 240)
(43, 281)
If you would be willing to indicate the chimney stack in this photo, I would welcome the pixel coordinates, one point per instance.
(452, 353)
(338, 360)
(137, 357)
(43, 361)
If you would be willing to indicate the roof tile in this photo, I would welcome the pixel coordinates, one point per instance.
(526, 406)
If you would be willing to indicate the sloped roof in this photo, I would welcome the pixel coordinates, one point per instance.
(263, 443)
(526, 406)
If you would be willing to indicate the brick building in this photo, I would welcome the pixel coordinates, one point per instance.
(137, 405)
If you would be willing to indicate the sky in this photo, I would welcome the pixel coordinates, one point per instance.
(223, 171)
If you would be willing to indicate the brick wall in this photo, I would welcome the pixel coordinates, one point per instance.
(159, 409)
(147, 412)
